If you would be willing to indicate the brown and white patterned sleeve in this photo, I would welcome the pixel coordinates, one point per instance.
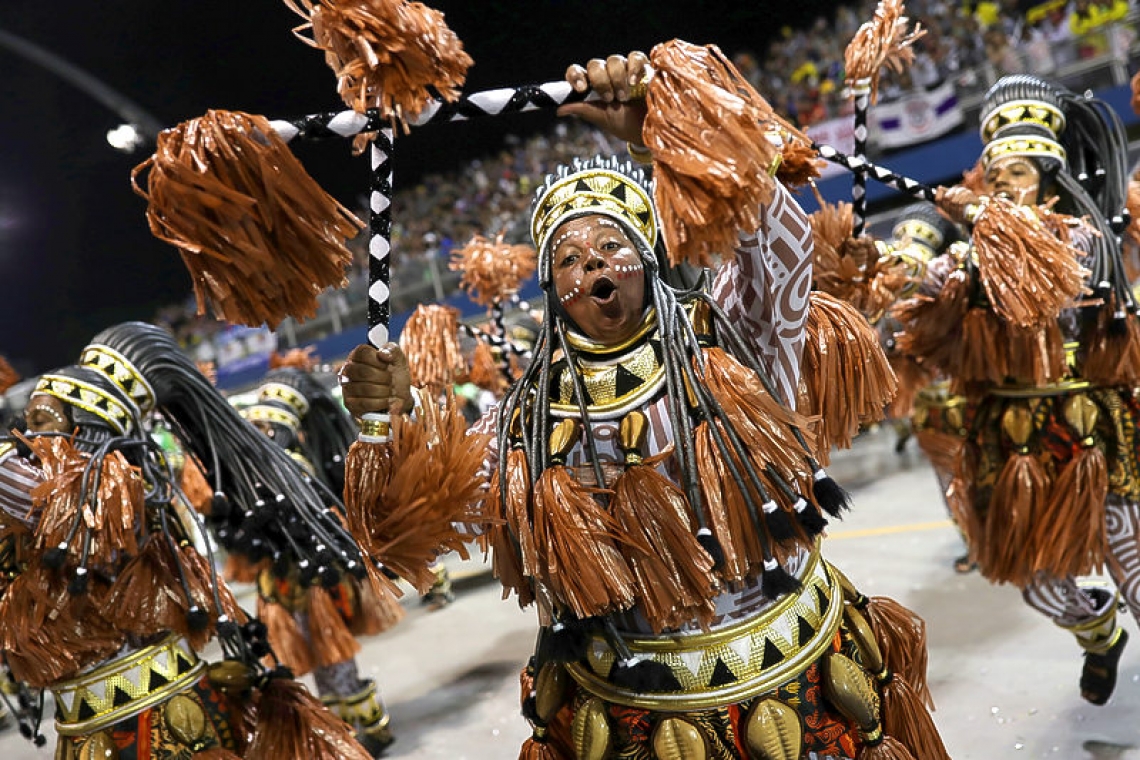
(18, 477)
(488, 424)
(766, 288)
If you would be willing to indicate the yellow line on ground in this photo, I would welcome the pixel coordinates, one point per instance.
(888, 529)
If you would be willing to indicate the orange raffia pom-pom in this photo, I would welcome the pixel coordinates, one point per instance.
(332, 641)
(387, 54)
(1074, 540)
(8, 376)
(290, 646)
(418, 495)
(49, 634)
(713, 162)
(113, 514)
(1006, 551)
(931, 324)
(147, 597)
(430, 339)
(901, 636)
(848, 270)
(298, 358)
(486, 371)
(492, 270)
(259, 236)
(1029, 274)
(195, 487)
(291, 722)
(912, 377)
(510, 538)
(848, 379)
(378, 607)
(882, 41)
(799, 164)
(672, 571)
(576, 544)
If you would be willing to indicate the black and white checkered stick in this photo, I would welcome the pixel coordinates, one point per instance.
(347, 124)
(861, 167)
(861, 92)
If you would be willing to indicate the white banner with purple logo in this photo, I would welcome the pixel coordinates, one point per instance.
(914, 118)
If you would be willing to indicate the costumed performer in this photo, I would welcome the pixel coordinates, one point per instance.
(314, 629)
(1035, 326)
(108, 596)
(655, 497)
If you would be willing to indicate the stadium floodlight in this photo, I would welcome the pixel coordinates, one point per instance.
(125, 137)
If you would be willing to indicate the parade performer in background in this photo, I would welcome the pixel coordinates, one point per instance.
(1035, 326)
(109, 592)
(933, 414)
(872, 275)
(652, 492)
(314, 629)
(925, 407)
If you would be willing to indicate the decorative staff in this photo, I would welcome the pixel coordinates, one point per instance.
(493, 271)
(882, 41)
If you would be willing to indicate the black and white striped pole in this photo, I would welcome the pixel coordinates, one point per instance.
(347, 124)
(380, 238)
(861, 167)
(861, 92)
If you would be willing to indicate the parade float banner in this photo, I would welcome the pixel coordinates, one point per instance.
(917, 117)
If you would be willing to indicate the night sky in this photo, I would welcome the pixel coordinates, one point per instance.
(75, 250)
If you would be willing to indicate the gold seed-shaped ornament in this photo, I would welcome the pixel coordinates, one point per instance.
(590, 731)
(186, 721)
(678, 739)
(773, 731)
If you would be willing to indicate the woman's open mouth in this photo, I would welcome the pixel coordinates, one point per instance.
(603, 291)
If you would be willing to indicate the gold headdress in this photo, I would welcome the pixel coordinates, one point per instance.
(607, 186)
(1022, 115)
(122, 373)
(286, 394)
(89, 397)
(271, 413)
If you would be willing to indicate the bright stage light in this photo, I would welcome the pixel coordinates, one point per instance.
(125, 137)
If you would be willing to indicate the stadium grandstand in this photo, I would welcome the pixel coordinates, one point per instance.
(924, 126)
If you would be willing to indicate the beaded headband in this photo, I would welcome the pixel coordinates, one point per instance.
(1037, 112)
(122, 372)
(286, 394)
(1029, 145)
(273, 414)
(90, 398)
(919, 231)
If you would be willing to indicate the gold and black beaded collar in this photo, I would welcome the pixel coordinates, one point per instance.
(616, 378)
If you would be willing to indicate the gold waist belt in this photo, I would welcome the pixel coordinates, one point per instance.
(1059, 388)
(125, 686)
(733, 663)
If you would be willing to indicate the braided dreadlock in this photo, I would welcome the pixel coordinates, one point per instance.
(279, 511)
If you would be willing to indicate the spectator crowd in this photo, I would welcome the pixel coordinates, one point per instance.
(800, 73)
